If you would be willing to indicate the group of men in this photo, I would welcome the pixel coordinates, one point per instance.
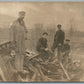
(62, 45)
(18, 42)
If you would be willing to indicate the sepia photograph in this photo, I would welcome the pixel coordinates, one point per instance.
(41, 41)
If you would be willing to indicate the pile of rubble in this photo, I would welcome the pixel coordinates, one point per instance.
(35, 70)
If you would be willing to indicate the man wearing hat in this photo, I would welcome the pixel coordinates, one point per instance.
(42, 47)
(18, 39)
(65, 52)
(58, 38)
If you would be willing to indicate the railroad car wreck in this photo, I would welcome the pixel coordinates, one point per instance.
(35, 69)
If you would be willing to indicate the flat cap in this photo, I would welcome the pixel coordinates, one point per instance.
(45, 33)
(59, 25)
(67, 40)
(22, 12)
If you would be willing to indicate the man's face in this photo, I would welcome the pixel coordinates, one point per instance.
(21, 16)
(59, 28)
(67, 42)
(45, 36)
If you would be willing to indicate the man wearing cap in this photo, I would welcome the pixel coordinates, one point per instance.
(42, 47)
(65, 52)
(58, 38)
(18, 39)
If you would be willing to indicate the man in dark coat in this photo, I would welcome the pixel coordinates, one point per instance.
(42, 47)
(65, 52)
(42, 43)
(58, 38)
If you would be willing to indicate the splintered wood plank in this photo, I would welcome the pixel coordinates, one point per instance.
(2, 75)
(65, 71)
(5, 67)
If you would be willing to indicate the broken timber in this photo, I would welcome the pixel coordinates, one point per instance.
(65, 71)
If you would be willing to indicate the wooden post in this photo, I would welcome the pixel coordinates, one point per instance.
(60, 60)
(65, 71)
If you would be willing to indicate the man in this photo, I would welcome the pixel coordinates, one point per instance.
(65, 52)
(42, 47)
(44, 57)
(42, 43)
(66, 46)
(18, 39)
(58, 38)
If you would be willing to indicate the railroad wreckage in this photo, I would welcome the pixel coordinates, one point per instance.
(36, 70)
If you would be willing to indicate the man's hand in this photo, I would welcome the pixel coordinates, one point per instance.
(13, 53)
(60, 44)
(46, 49)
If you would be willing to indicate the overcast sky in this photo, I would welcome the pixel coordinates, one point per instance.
(47, 13)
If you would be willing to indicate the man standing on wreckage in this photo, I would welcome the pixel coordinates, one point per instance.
(58, 38)
(58, 41)
(19, 31)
